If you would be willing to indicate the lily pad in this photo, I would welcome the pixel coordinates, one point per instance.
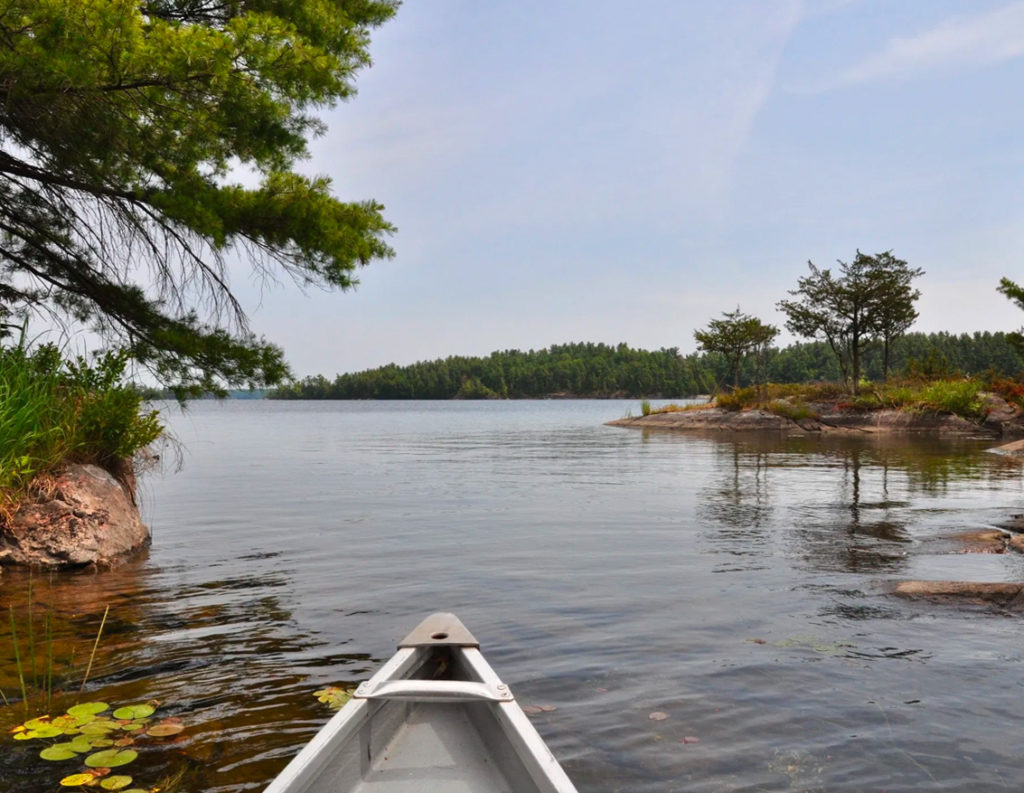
(58, 752)
(71, 746)
(141, 711)
(77, 780)
(23, 736)
(334, 696)
(111, 758)
(100, 727)
(116, 782)
(87, 709)
(36, 723)
(164, 729)
(81, 744)
(46, 731)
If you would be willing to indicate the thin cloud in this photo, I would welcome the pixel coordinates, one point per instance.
(955, 45)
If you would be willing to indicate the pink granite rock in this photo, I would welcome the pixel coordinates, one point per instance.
(86, 518)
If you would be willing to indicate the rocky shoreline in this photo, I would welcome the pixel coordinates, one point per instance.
(1001, 421)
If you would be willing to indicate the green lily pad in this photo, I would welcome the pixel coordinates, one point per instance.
(99, 742)
(36, 723)
(57, 752)
(23, 736)
(111, 758)
(100, 727)
(77, 780)
(134, 711)
(116, 782)
(46, 731)
(71, 746)
(87, 709)
(81, 744)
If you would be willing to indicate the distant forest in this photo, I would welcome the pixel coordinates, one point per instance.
(602, 370)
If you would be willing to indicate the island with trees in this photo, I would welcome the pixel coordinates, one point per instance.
(865, 308)
(858, 366)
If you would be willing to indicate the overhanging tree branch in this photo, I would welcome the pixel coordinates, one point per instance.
(114, 156)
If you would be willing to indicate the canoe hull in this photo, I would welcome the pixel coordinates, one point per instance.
(434, 717)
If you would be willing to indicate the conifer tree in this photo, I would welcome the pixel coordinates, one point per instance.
(123, 127)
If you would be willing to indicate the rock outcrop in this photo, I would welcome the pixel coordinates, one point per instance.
(86, 517)
(827, 420)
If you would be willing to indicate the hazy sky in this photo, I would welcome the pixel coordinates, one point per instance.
(583, 170)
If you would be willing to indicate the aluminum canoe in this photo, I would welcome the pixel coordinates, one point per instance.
(435, 717)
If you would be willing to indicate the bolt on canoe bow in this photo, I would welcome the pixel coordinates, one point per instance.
(436, 717)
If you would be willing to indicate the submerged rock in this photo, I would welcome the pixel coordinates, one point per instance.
(86, 517)
(1011, 449)
(1006, 595)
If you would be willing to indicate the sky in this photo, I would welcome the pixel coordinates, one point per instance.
(594, 171)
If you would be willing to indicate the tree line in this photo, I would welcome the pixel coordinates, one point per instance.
(603, 370)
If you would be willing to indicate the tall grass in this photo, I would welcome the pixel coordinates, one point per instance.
(37, 676)
(55, 411)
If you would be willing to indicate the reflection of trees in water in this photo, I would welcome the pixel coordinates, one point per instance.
(226, 656)
(862, 529)
(934, 470)
(842, 504)
(736, 501)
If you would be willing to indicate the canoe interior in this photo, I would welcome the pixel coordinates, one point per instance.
(403, 747)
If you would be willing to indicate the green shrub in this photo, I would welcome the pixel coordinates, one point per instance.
(645, 407)
(738, 399)
(821, 392)
(899, 396)
(865, 400)
(953, 396)
(54, 412)
(795, 411)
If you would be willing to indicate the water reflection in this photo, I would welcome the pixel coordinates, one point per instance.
(223, 655)
(736, 503)
(863, 529)
(848, 502)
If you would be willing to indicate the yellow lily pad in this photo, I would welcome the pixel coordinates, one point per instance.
(77, 780)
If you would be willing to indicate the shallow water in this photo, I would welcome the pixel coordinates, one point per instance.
(738, 585)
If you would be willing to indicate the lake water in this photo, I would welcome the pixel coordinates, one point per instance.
(738, 585)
